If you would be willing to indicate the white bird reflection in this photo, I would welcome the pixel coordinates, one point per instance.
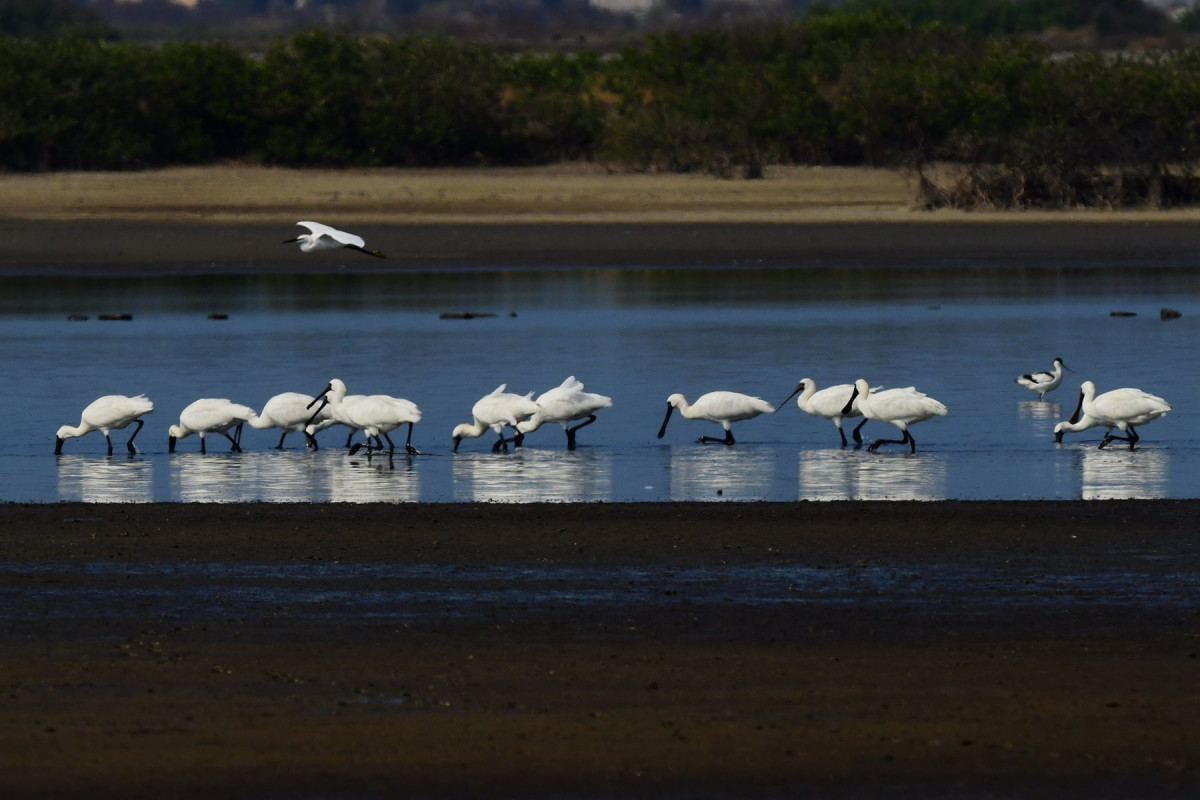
(851, 475)
(105, 480)
(720, 473)
(292, 476)
(378, 479)
(534, 475)
(1035, 409)
(200, 479)
(1124, 474)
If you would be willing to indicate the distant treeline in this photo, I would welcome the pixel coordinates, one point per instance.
(985, 120)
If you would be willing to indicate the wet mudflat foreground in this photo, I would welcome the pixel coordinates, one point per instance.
(838, 649)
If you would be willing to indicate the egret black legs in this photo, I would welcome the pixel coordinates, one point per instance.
(728, 440)
(1131, 437)
(908, 439)
(132, 436)
(571, 431)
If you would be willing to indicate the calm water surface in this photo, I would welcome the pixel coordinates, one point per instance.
(959, 334)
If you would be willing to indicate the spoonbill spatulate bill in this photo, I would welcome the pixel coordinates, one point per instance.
(211, 415)
(323, 237)
(829, 403)
(1044, 381)
(1123, 409)
(495, 412)
(376, 415)
(899, 407)
(564, 404)
(723, 408)
(112, 412)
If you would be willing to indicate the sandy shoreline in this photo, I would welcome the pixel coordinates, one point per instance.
(1008, 690)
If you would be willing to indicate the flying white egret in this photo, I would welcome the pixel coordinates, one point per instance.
(495, 411)
(112, 412)
(899, 407)
(291, 412)
(323, 237)
(723, 408)
(564, 404)
(211, 415)
(376, 415)
(1042, 382)
(1121, 408)
(829, 403)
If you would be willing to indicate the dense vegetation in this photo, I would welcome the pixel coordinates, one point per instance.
(985, 120)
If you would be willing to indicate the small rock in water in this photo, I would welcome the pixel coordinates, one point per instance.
(1122, 314)
(1169, 313)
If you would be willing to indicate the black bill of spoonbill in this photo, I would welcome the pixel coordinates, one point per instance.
(211, 415)
(723, 408)
(376, 415)
(564, 404)
(1044, 381)
(323, 237)
(291, 412)
(494, 412)
(112, 412)
(829, 403)
(899, 407)
(1123, 409)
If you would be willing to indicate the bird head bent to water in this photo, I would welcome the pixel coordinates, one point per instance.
(674, 401)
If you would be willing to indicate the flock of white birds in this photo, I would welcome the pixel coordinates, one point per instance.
(568, 405)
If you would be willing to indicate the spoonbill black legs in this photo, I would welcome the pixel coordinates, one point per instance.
(493, 412)
(112, 412)
(564, 404)
(211, 415)
(899, 407)
(829, 403)
(374, 414)
(1042, 382)
(1123, 409)
(723, 408)
(323, 237)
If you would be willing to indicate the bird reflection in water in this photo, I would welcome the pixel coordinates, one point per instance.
(1039, 409)
(534, 475)
(379, 478)
(846, 475)
(1122, 474)
(199, 479)
(105, 480)
(726, 473)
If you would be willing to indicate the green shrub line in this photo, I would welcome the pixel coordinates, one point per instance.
(984, 120)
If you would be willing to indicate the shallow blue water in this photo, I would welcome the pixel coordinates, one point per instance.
(961, 335)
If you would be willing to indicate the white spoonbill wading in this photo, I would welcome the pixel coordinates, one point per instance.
(495, 411)
(291, 412)
(211, 415)
(1123, 409)
(1042, 382)
(323, 237)
(723, 408)
(829, 403)
(899, 407)
(109, 413)
(376, 415)
(564, 404)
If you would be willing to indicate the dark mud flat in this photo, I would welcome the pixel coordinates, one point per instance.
(655, 650)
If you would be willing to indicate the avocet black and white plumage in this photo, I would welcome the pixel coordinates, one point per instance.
(376, 415)
(495, 412)
(829, 403)
(323, 237)
(723, 408)
(899, 407)
(1123, 409)
(211, 415)
(1044, 381)
(112, 412)
(564, 404)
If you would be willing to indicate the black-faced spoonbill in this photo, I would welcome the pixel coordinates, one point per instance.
(291, 412)
(899, 407)
(323, 237)
(1123, 409)
(495, 411)
(829, 403)
(211, 415)
(376, 415)
(723, 408)
(1042, 382)
(109, 413)
(564, 404)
